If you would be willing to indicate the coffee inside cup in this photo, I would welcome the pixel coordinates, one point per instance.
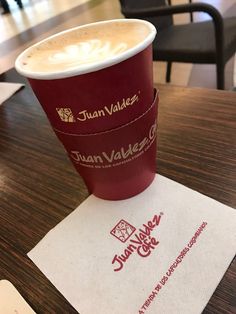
(85, 45)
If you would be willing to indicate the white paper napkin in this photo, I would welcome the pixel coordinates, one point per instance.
(163, 251)
(11, 302)
(8, 89)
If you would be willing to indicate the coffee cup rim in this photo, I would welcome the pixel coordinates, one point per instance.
(88, 68)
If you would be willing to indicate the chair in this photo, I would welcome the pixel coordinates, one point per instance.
(212, 41)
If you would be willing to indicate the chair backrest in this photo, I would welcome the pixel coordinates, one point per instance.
(159, 22)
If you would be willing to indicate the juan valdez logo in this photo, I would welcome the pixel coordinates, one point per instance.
(142, 241)
(127, 153)
(123, 230)
(66, 114)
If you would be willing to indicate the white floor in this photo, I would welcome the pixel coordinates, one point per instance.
(33, 14)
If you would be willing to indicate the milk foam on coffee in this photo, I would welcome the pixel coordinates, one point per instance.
(84, 46)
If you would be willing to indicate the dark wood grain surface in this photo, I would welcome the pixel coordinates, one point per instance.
(39, 186)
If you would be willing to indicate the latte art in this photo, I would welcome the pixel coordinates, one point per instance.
(85, 48)
(86, 52)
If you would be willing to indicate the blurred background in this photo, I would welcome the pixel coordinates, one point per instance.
(25, 22)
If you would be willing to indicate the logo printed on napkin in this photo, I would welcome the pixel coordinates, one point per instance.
(142, 241)
(159, 260)
(123, 230)
(172, 269)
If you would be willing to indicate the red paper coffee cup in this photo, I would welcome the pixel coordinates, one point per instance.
(118, 163)
(99, 96)
(102, 108)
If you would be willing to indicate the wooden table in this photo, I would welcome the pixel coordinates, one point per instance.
(39, 186)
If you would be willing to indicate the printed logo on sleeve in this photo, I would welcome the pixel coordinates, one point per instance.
(65, 114)
(116, 157)
(106, 110)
